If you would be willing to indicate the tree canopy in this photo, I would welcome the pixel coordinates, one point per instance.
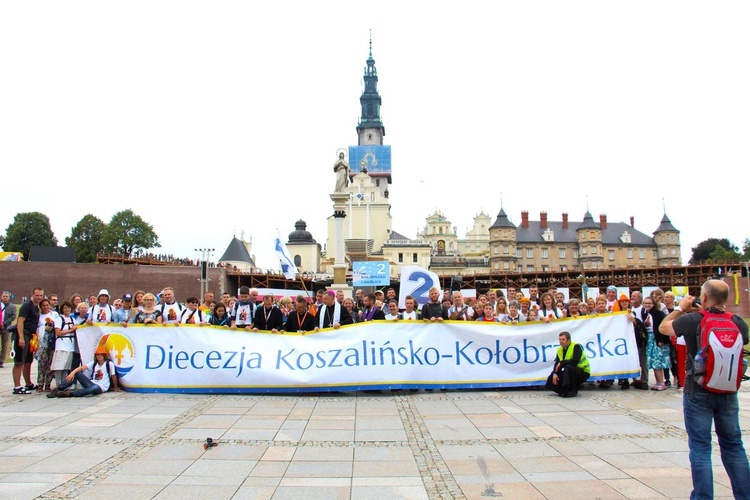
(28, 229)
(715, 249)
(86, 238)
(127, 232)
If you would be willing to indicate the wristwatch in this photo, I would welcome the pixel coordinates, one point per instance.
(678, 308)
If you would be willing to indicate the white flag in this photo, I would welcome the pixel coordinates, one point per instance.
(287, 264)
(416, 281)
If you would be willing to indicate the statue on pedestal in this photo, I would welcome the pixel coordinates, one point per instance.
(341, 168)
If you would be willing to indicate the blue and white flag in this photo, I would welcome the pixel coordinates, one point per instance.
(285, 260)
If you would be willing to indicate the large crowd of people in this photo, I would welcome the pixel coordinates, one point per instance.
(49, 325)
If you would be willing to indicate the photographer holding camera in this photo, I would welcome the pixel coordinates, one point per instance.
(702, 406)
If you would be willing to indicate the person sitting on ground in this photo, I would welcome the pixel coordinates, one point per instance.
(101, 377)
(571, 368)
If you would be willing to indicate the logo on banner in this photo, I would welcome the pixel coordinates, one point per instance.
(123, 351)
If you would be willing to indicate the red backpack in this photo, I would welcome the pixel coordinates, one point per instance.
(720, 353)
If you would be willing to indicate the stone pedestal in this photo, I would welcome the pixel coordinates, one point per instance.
(339, 214)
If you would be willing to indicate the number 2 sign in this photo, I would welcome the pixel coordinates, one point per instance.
(416, 281)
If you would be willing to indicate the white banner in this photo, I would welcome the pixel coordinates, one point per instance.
(372, 355)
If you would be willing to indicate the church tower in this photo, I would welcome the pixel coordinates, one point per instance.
(370, 128)
(370, 156)
(368, 223)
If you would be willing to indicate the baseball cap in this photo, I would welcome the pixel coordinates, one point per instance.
(127, 297)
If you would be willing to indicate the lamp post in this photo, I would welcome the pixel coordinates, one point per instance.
(205, 258)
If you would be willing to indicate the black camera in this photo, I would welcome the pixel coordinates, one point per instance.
(697, 302)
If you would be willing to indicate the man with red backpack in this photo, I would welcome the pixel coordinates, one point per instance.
(714, 341)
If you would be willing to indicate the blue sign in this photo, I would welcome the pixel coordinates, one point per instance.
(377, 159)
(374, 273)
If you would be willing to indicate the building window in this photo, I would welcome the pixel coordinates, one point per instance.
(584, 250)
(664, 251)
(519, 253)
(297, 260)
(545, 269)
(496, 250)
(583, 236)
(671, 238)
(674, 251)
(505, 234)
(497, 265)
(642, 254)
(506, 265)
(656, 254)
(575, 254)
(494, 235)
(585, 265)
(414, 258)
(562, 253)
(593, 234)
(544, 253)
(506, 249)
(530, 269)
(563, 268)
(400, 257)
(630, 253)
(530, 253)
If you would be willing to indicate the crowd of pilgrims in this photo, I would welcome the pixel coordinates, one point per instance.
(58, 321)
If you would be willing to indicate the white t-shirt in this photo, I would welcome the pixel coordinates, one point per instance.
(196, 317)
(65, 343)
(411, 315)
(244, 313)
(391, 317)
(102, 314)
(170, 313)
(97, 373)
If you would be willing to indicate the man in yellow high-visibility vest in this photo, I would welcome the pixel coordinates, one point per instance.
(571, 368)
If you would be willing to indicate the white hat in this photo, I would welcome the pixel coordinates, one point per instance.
(103, 291)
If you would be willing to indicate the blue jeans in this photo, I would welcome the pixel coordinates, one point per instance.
(723, 409)
(87, 386)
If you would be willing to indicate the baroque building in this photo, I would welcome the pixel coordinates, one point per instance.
(501, 246)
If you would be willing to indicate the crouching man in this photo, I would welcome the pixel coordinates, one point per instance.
(95, 377)
(571, 368)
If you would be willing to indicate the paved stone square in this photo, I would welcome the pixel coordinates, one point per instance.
(458, 444)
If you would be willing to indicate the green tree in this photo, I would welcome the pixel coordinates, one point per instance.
(127, 232)
(86, 238)
(703, 250)
(720, 253)
(28, 229)
(746, 249)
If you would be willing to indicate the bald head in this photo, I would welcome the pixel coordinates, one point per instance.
(715, 293)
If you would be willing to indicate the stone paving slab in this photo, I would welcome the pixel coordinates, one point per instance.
(434, 445)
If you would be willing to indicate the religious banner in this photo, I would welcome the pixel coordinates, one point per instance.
(372, 355)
